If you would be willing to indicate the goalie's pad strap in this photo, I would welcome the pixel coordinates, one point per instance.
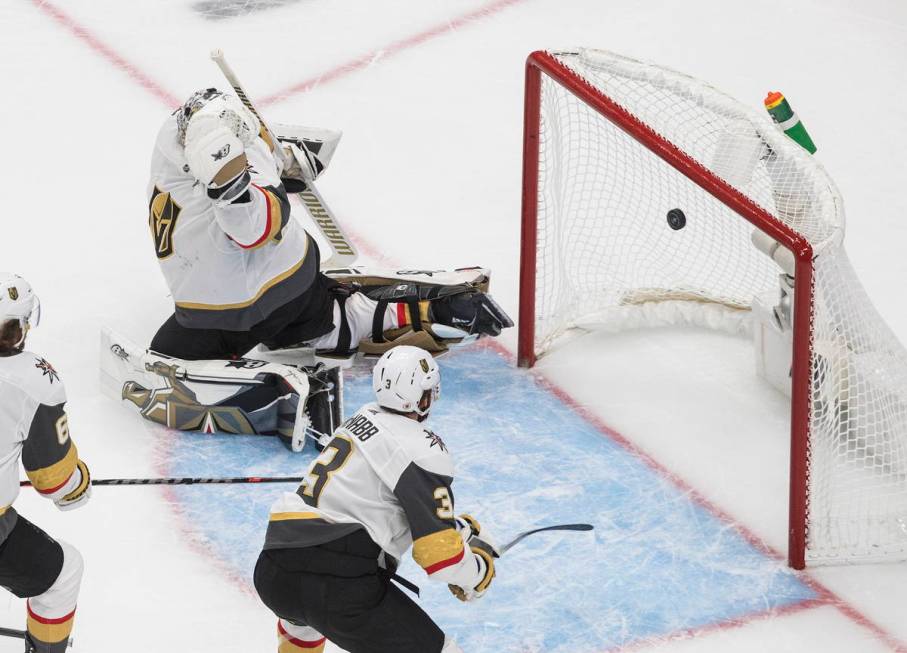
(403, 336)
(343, 335)
(414, 314)
(378, 321)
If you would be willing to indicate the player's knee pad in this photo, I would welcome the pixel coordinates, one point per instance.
(293, 638)
(60, 599)
(450, 646)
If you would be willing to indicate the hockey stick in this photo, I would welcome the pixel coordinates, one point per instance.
(343, 251)
(560, 527)
(412, 587)
(18, 634)
(190, 480)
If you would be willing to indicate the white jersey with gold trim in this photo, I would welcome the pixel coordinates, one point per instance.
(228, 266)
(35, 428)
(390, 475)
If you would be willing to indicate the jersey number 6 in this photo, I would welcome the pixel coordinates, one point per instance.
(331, 459)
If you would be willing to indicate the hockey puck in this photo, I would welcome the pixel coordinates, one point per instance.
(676, 219)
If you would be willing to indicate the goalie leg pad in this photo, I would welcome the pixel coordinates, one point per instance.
(241, 397)
(447, 308)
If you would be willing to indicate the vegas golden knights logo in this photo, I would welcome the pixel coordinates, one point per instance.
(163, 212)
(424, 364)
(13, 293)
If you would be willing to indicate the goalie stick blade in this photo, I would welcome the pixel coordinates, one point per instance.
(559, 527)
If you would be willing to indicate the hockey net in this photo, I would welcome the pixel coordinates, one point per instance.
(611, 146)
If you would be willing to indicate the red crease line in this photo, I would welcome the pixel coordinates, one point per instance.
(720, 626)
(146, 82)
(824, 595)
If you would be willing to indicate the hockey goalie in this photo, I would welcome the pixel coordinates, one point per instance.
(243, 273)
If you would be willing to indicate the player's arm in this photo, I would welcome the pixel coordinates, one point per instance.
(257, 218)
(51, 459)
(439, 544)
(240, 173)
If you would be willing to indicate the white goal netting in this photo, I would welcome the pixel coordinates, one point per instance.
(607, 255)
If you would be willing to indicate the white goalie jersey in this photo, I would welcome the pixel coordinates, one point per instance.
(228, 265)
(391, 476)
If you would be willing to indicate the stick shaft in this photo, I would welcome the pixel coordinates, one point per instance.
(191, 480)
(218, 57)
(12, 632)
(559, 527)
(344, 252)
(18, 634)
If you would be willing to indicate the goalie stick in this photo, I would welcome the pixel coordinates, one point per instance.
(189, 480)
(343, 252)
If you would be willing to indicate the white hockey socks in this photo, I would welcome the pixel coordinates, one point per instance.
(298, 639)
(51, 615)
(360, 315)
(450, 646)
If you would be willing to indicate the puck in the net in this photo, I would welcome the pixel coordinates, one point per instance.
(676, 219)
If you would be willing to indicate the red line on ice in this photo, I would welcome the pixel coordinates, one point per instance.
(366, 60)
(720, 626)
(83, 34)
(826, 596)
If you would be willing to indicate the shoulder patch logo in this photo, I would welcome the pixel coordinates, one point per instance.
(434, 439)
(424, 365)
(47, 369)
(13, 293)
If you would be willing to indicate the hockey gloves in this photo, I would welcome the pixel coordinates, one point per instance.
(80, 495)
(485, 552)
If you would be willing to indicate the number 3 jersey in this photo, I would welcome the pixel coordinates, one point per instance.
(390, 475)
(33, 425)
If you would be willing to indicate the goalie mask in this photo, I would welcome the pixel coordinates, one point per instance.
(227, 107)
(407, 380)
(18, 302)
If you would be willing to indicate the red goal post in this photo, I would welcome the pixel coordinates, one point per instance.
(541, 64)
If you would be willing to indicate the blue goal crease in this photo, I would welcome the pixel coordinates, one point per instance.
(656, 563)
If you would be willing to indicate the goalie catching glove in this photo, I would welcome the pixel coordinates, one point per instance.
(485, 552)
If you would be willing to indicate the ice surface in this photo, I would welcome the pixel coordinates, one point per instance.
(429, 97)
(657, 561)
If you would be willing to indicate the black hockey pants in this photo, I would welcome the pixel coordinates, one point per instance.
(305, 318)
(338, 589)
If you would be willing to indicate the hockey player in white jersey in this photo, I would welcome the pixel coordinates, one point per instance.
(381, 485)
(34, 427)
(243, 272)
